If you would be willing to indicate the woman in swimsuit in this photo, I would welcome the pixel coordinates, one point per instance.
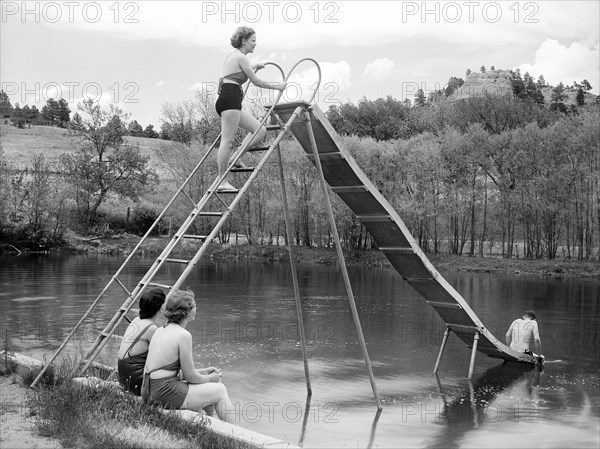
(134, 346)
(236, 71)
(171, 351)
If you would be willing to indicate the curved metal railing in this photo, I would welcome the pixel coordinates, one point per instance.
(318, 70)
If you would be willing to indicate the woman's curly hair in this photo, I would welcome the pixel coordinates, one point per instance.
(240, 34)
(179, 305)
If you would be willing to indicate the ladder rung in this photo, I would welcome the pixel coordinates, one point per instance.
(194, 236)
(272, 127)
(374, 218)
(210, 214)
(156, 284)
(258, 149)
(349, 189)
(102, 366)
(242, 169)
(397, 249)
(449, 305)
(462, 326)
(105, 335)
(177, 260)
(326, 156)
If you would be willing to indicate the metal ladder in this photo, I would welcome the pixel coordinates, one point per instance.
(199, 210)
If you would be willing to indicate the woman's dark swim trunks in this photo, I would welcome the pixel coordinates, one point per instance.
(230, 97)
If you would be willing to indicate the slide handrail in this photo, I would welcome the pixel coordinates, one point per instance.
(318, 70)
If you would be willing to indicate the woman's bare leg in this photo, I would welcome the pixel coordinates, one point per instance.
(250, 124)
(230, 121)
(201, 396)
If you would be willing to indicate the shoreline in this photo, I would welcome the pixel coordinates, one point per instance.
(122, 245)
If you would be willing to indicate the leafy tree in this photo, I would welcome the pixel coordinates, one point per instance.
(149, 132)
(558, 99)
(492, 68)
(165, 131)
(580, 97)
(420, 99)
(468, 72)
(18, 116)
(453, 85)
(135, 129)
(541, 82)
(482, 69)
(585, 84)
(5, 106)
(103, 164)
(56, 113)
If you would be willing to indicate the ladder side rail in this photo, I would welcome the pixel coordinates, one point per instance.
(237, 199)
(340, 253)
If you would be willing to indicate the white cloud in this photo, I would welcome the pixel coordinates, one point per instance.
(379, 67)
(335, 77)
(567, 64)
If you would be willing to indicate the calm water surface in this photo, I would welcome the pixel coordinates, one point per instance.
(246, 324)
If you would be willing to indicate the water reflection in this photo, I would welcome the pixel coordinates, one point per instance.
(474, 405)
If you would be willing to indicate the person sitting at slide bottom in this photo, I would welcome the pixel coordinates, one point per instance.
(524, 336)
(137, 337)
(171, 351)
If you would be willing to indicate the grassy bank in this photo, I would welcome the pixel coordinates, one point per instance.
(80, 416)
(76, 415)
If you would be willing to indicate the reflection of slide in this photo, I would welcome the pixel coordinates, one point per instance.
(391, 234)
(472, 408)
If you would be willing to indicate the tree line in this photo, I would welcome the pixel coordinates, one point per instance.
(491, 173)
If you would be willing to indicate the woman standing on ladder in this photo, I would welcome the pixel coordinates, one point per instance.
(236, 71)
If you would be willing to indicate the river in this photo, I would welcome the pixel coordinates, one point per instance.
(246, 324)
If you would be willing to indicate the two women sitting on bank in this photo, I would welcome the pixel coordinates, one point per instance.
(169, 376)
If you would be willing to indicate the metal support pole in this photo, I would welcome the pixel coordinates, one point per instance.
(288, 230)
(442, 347)
(340, 254)
(473, 351)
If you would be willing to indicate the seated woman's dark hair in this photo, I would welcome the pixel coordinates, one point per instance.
(240, 34)
(151, 302)
(530, 314)
(179, 305)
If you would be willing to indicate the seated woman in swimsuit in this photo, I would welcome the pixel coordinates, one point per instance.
(236, 71)
(134, 346)
(171, 351)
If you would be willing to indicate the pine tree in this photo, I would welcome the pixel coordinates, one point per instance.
(5, 106)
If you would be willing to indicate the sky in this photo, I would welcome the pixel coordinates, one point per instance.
(142, 55)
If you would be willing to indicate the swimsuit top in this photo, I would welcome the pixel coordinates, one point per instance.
(173, 366)
(238, 77)
(126, 356)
